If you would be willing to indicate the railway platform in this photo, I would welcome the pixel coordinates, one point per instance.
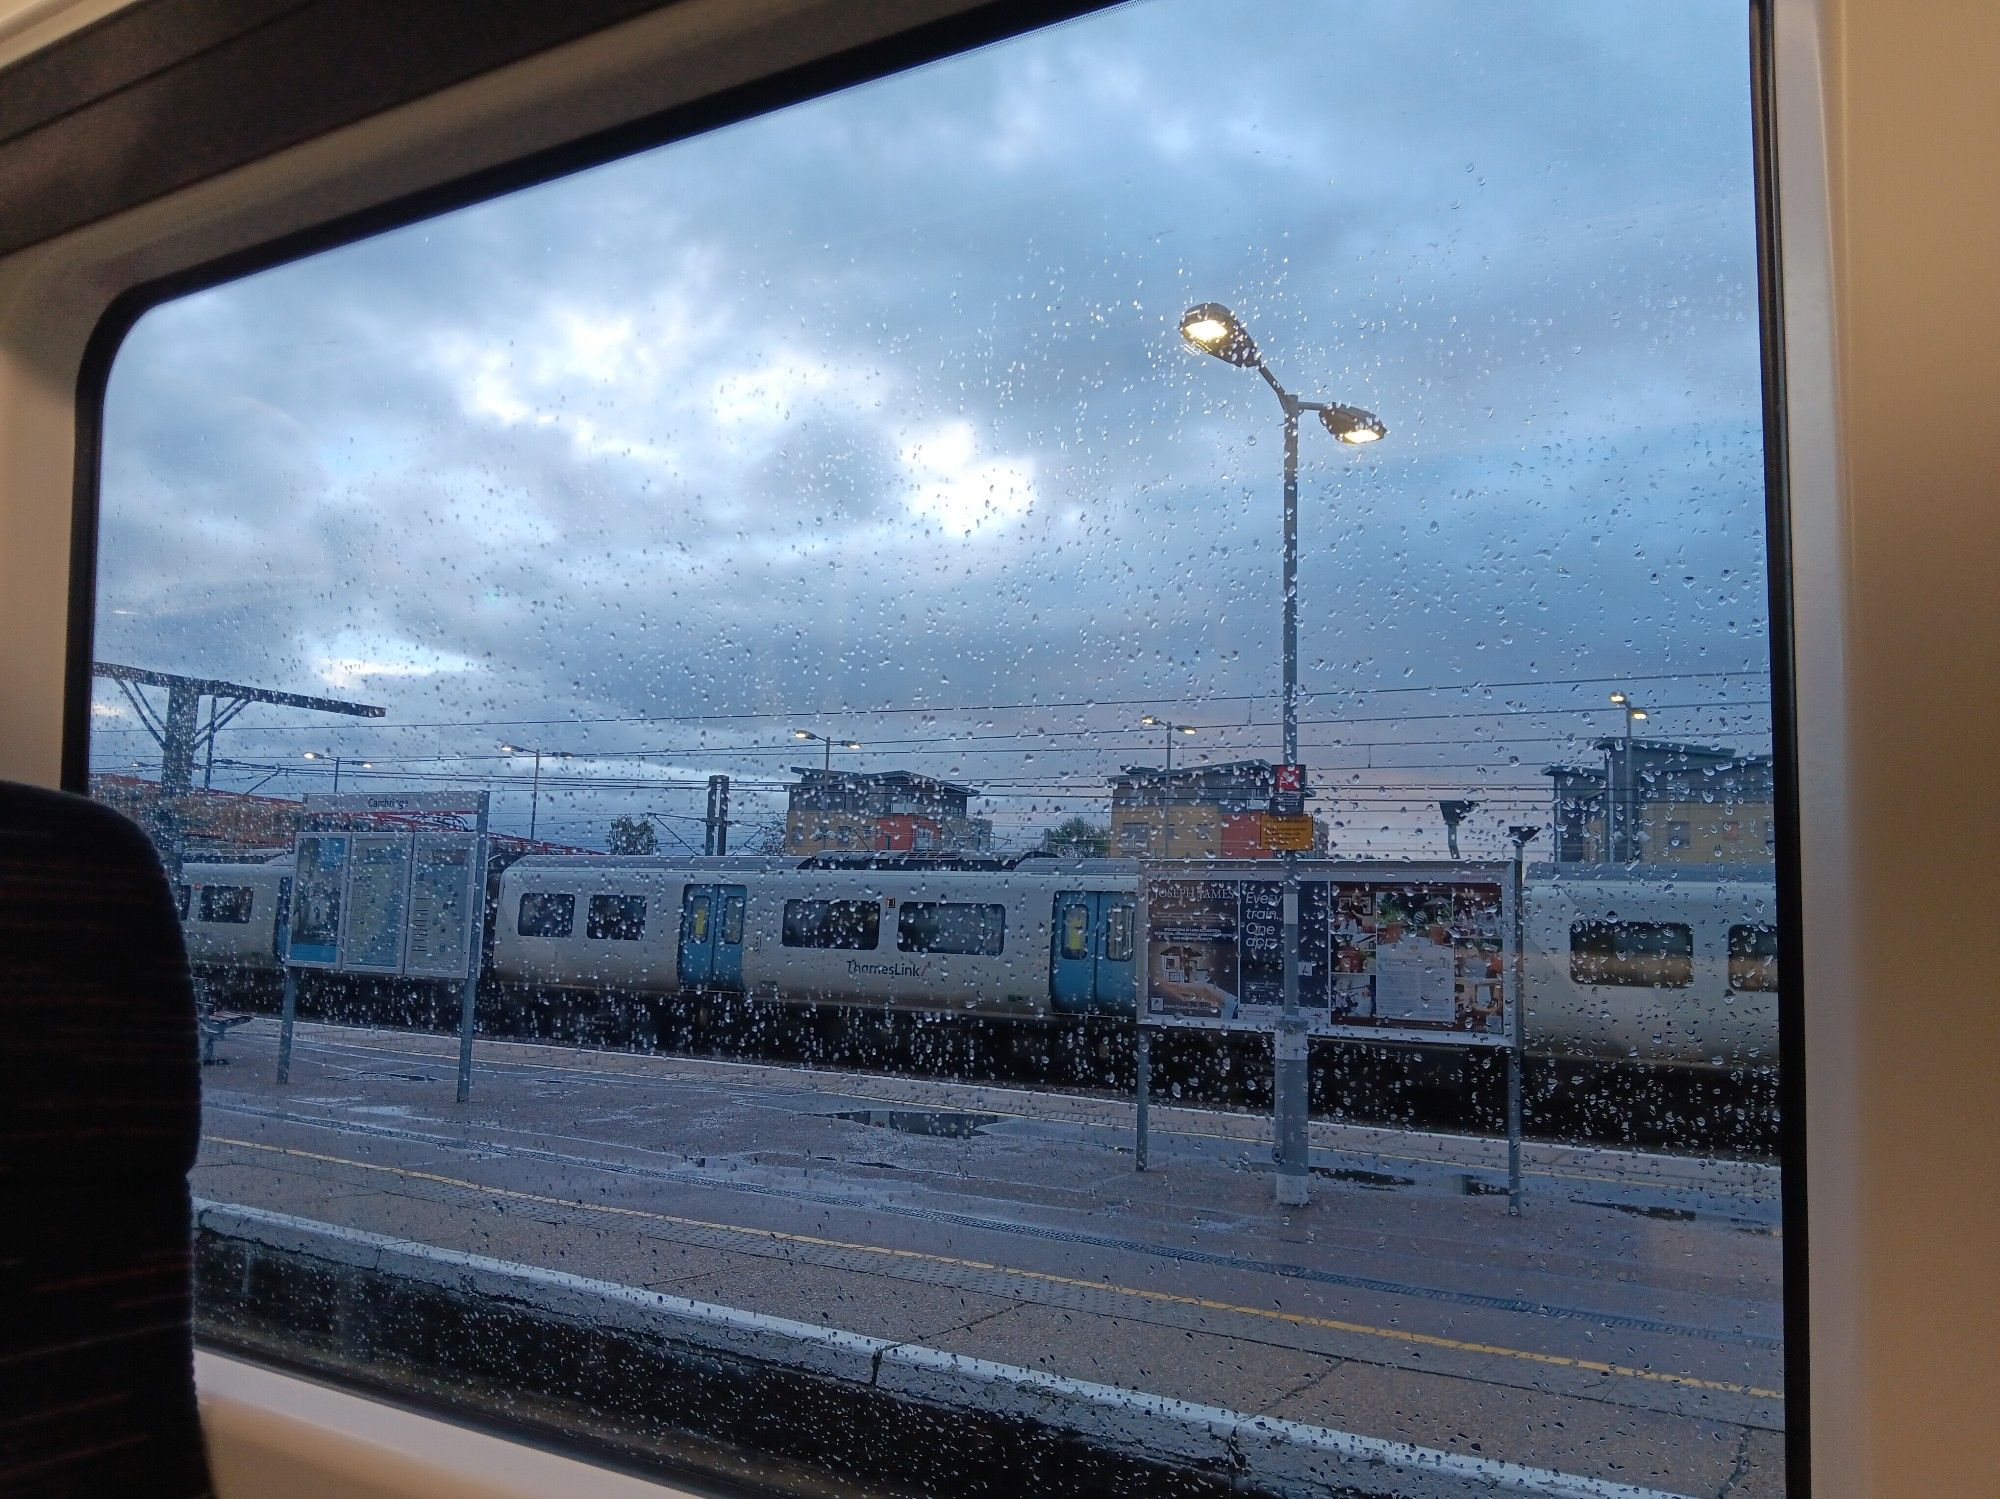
(1623, 1333)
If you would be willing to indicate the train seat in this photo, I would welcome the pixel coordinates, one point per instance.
(99, 1121)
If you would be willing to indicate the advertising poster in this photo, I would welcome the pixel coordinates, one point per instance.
(1396, 952)
(378, 882)
(317, 882)
(442, 902)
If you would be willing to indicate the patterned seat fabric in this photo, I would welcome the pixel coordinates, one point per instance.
(99, 1114)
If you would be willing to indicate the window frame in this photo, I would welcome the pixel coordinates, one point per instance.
(544, 899)
(1581, 973)
(990, 910)
(608, 917)
(793, 909)
(285, 224)
(207, 916)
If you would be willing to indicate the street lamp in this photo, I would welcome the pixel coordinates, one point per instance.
(338, 761)
(1628, 809)
(1213, 329)
(535, 793)
(1154, 721)
(829, 742)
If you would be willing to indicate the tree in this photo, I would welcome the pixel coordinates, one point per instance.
(632, 835)
(1077, 838)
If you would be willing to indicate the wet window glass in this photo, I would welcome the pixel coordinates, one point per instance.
(616, 918)
(181, 893)
(229, 904)
(951, 927)
(1635, 954)
(545, 915)
(1171, 612)
(832, 923)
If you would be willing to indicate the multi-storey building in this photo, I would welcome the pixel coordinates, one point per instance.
(1658, 802)
(894, 810)
(1193, 811)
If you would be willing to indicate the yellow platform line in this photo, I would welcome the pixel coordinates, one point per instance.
(1167, 1298)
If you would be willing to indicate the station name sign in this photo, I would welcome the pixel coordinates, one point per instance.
(1410, 952)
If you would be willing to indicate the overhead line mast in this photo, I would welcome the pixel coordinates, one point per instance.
(180, 733)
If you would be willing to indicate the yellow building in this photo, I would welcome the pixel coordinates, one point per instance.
(1668, 803)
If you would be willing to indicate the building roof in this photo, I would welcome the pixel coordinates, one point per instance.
(1228, 769)
(909, 778)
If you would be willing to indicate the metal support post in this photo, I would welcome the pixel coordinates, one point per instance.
(476, 919)
(466, 1006)
(287, 1017)
(1521, 836)
(1144, 1057)
(1514, 1131)
(1289, 1076)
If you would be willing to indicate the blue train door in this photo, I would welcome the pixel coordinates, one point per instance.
(711, 954)
(1091, 955)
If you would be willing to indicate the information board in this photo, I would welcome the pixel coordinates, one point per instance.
(443, 899)
(369, 896)
(1410, 952)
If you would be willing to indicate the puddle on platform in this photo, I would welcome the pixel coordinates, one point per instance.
(951, 1124)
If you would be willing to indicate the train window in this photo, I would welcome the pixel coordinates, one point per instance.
(616, 918)
(1118, 932)
(860, 500)
(951, 927)
(181, 899)
(1075, 930)
(1634, 954)
(229, 905)
(853, 924)
(1753, 957)
(543, 914)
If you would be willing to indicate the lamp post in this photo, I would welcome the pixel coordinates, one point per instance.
(535, 793)
(829, 742)
(1213, 329)
(1628, 809)
(1454, 812)
(338, 761)
(1154, 721)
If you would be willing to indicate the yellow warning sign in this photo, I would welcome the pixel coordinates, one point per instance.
(1291, 834)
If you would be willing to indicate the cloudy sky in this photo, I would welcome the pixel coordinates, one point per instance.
(870, 417)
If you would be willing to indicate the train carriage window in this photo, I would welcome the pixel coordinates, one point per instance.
(1075, 930)
(1632, 954)
(1118, 932)
(616, 918)
(951, 927)
(849, 924)
(887, 494)
(229, 905)
(181, 893)
(1753, 957)
(544, 914)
